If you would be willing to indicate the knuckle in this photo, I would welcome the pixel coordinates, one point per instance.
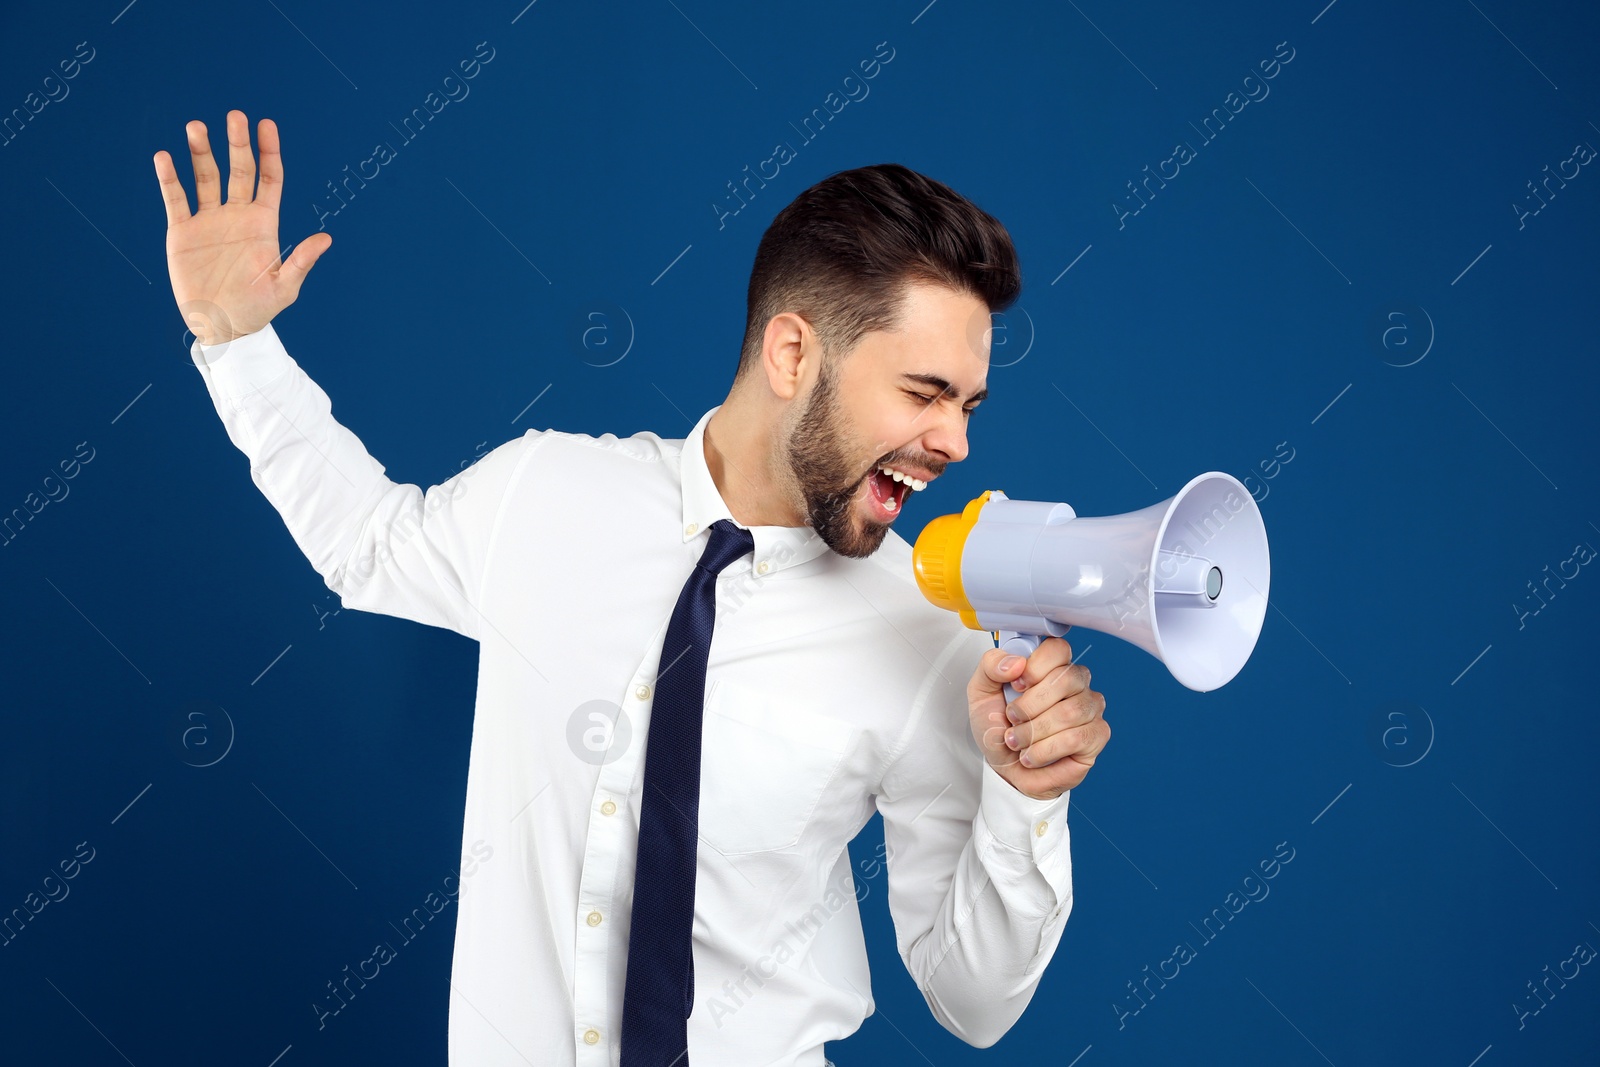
(1054, 676)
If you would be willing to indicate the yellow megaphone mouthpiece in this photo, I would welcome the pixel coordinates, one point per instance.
(936, 558)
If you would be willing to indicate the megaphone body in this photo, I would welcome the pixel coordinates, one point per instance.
(1186, 579)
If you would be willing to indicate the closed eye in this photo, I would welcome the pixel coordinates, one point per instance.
(926, 399)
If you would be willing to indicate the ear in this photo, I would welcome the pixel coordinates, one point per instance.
(791, 354)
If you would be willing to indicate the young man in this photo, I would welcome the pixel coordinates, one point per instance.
(616, 924)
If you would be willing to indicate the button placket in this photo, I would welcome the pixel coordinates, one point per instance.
(608, 839)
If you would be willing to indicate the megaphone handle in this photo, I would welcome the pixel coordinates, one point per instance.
(1018, 644)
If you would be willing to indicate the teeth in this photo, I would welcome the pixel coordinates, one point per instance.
(916, 484)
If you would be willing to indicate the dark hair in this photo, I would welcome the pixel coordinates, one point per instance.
(841, 253)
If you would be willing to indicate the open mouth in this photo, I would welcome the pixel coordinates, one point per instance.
(886, 494)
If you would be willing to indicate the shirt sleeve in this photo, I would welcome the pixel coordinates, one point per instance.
(381, 546)
(980, 874)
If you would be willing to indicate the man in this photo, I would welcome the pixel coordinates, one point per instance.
(832, 689)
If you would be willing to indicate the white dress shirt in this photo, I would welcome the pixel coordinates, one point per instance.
(833, 689)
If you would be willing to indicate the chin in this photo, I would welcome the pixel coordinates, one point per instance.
(864, 538)
(846, 524)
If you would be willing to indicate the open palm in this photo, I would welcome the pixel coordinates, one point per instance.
(223, 259)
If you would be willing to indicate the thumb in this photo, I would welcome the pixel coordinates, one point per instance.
(995, 669)
(301, 260)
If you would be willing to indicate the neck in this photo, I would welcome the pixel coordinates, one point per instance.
(742, 455)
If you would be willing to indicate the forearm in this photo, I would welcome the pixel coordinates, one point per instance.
(314, 471)
(1001, 918)
(375, 542)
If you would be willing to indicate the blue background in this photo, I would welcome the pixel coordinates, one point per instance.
(1414, 731)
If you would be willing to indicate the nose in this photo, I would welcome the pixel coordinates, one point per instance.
(948, 436)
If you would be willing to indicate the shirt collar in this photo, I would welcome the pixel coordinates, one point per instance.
(776, 547)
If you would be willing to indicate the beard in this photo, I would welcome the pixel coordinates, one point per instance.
(827, 477)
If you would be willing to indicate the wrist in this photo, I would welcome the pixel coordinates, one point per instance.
(1004, 773)
(210, 323)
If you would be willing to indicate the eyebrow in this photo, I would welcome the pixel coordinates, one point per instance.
(943, 386)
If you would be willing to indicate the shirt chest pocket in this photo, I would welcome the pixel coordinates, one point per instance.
(766, 761)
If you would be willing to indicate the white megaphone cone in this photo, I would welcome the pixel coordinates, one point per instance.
(1186, 579)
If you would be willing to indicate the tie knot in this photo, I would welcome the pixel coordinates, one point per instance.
(728, 543)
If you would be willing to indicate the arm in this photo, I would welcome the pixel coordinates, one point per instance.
(980, 873)
(383, 547)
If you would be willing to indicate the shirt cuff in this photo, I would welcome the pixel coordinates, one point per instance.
(243, 365)
(1017, 820)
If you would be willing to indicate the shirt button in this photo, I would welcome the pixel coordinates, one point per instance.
(642, 692)
(608, 808)
(591, 1037)
(1040, 829)
(763, 567)
(594, 918)
(690, 529)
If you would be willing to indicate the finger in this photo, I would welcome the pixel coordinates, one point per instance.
(172, 193)
(1082, 743)
(1051, 653)
(1078, 710)
(207, 182)
(241, 163)
(271, 190)
(300, 261)
(1063, 682)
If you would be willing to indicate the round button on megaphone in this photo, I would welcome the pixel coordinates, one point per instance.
(1186, 579)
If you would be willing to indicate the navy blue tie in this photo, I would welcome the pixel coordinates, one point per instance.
(659, 990)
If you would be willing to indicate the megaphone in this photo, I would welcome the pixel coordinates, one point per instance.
(1186, 579)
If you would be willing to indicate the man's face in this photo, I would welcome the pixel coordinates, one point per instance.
(899, 399)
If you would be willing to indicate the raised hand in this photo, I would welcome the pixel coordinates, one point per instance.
(223, 259)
